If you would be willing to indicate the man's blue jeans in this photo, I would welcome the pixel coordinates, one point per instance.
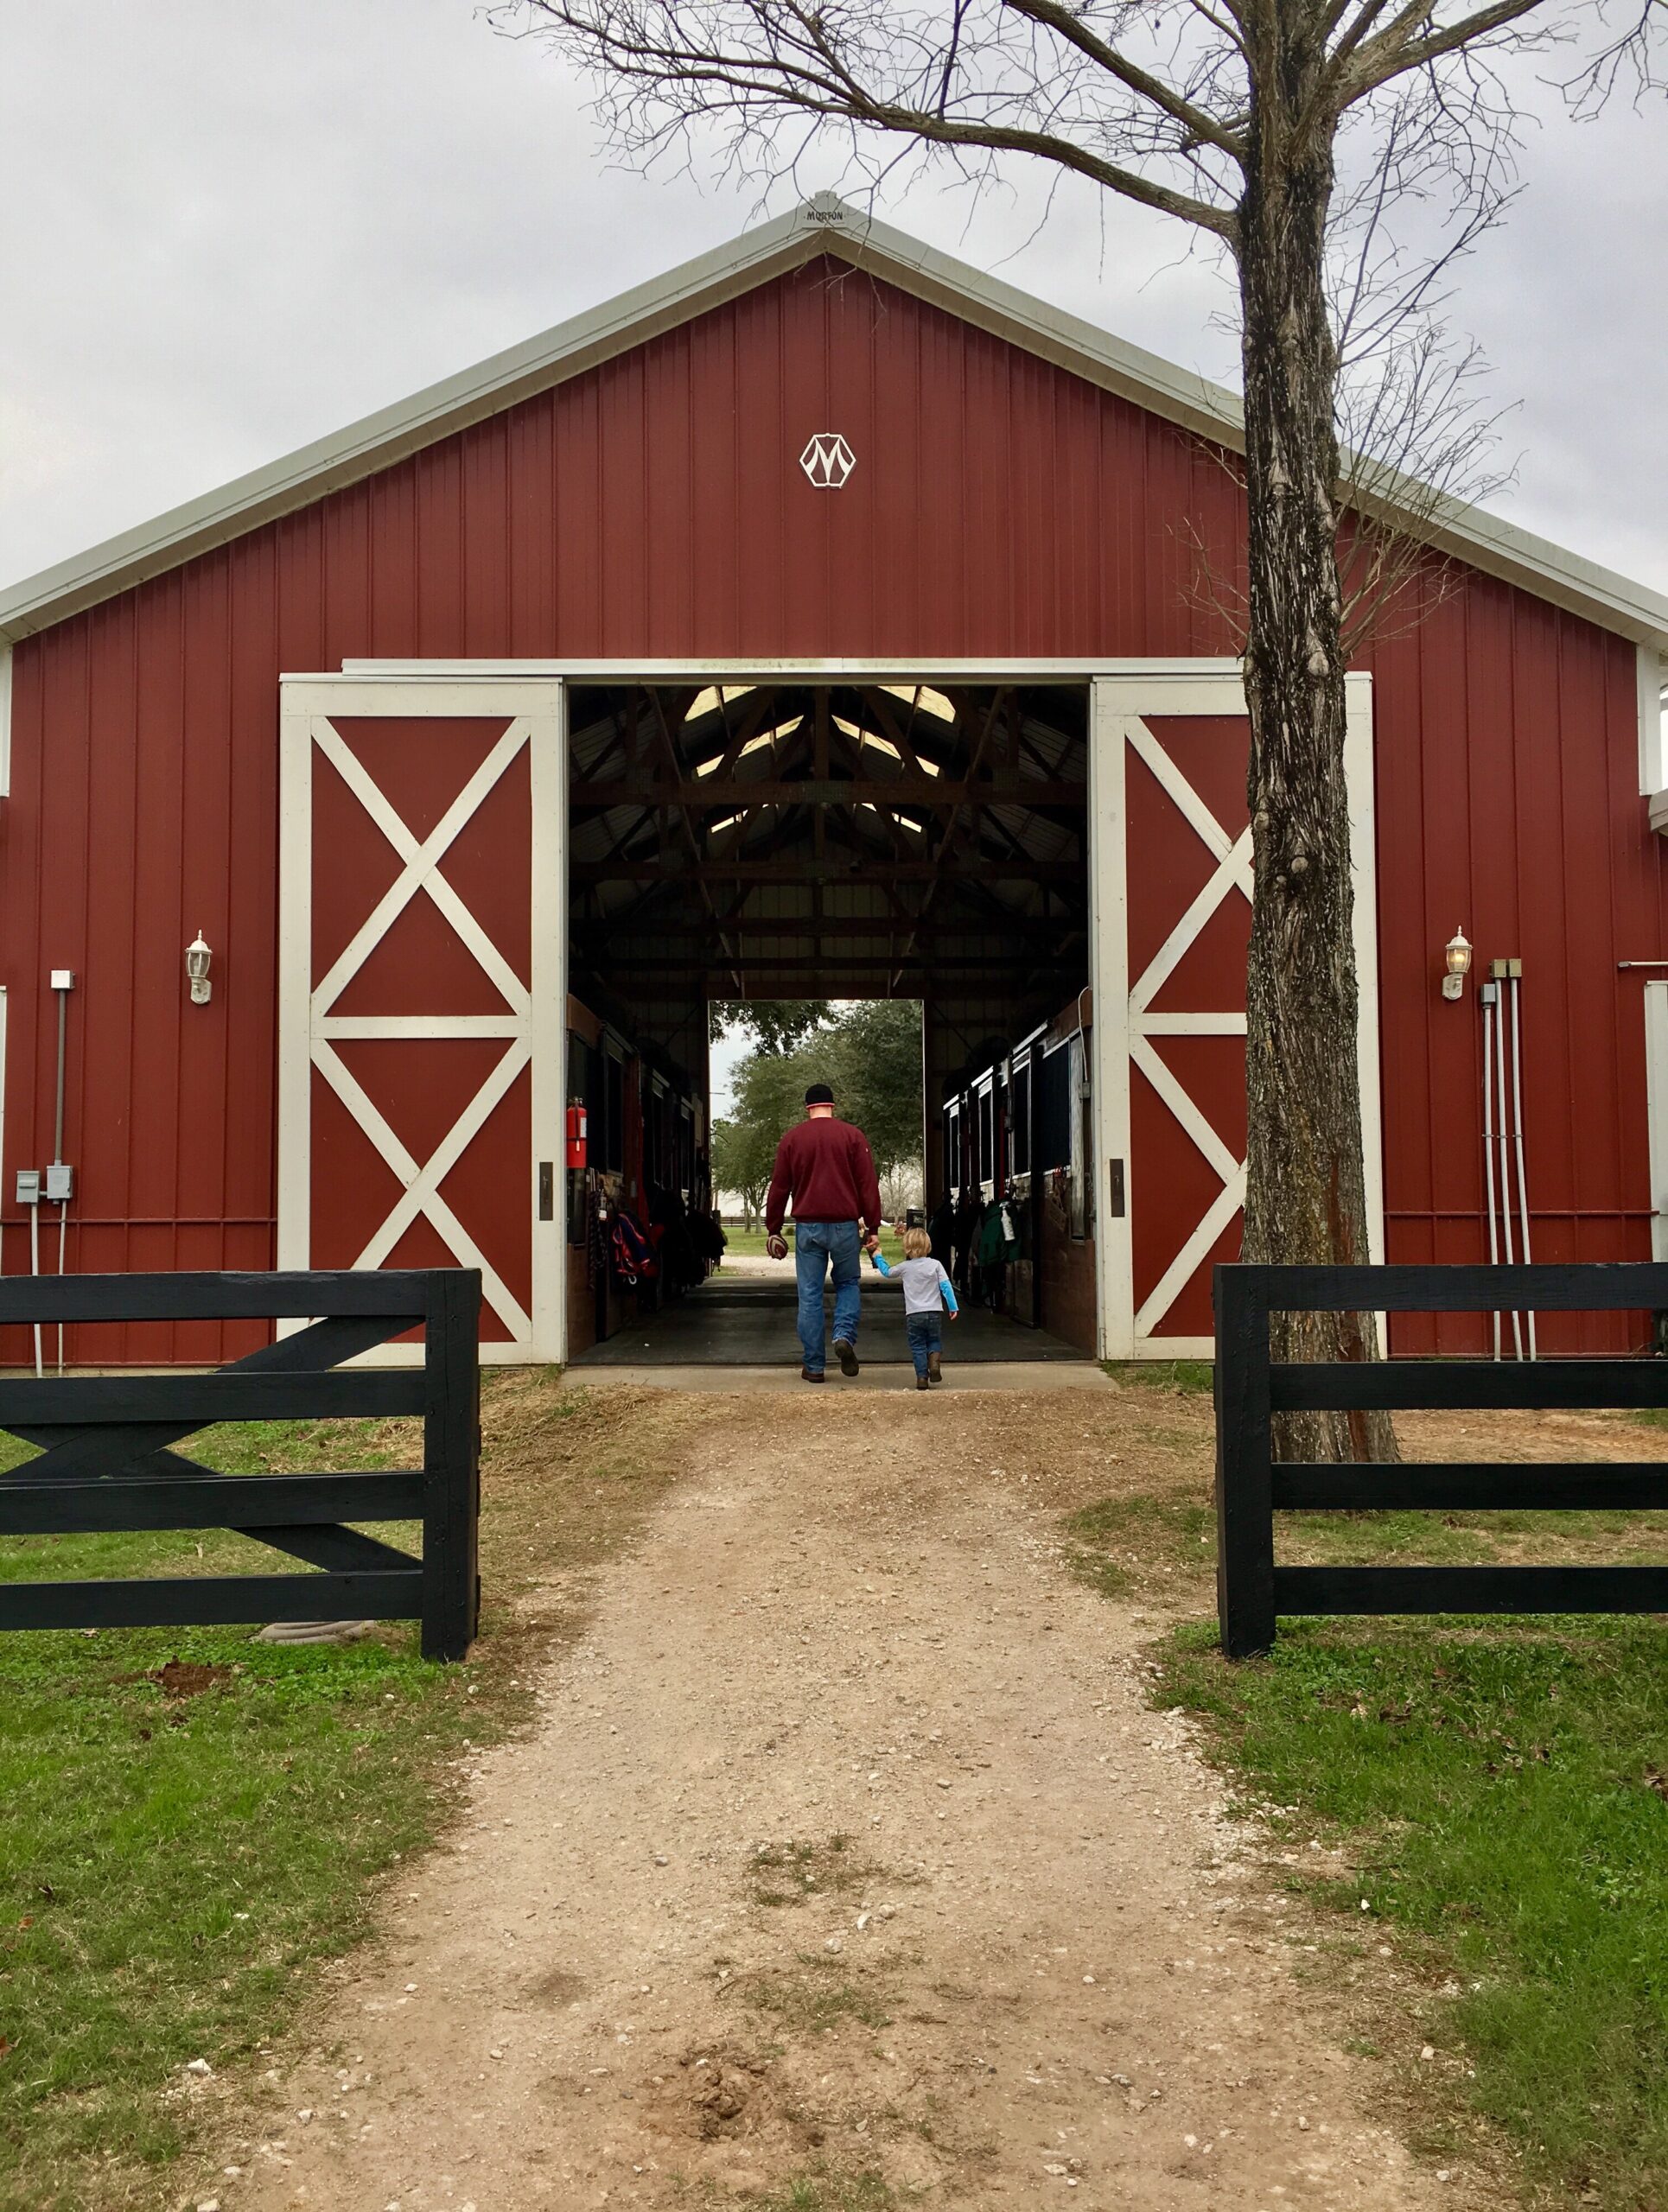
(816, 1243)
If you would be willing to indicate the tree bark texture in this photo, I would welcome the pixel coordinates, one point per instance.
(1306, 1198)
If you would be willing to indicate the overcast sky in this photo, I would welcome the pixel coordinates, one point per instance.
(233, 229)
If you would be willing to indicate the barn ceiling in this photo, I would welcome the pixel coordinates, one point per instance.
(816, 841)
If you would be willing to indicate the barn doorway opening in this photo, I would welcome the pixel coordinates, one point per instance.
(850, 844)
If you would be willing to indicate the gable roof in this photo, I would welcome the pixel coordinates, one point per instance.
(824, 225)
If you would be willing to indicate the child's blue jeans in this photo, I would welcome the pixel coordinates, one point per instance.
(926, 1335)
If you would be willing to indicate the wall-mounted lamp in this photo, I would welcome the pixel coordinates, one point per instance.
(197, 957)
(1456, 957)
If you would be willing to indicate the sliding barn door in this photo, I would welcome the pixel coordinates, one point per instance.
(423, 989)
(1173, 880)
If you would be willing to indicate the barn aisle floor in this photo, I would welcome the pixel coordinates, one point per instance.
(732, 1321)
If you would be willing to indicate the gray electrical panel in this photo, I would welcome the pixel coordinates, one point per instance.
(60, 1182)
(29, 1186)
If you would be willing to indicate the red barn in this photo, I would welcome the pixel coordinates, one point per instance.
(825, 619)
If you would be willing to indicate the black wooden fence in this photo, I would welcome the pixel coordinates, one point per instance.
(1251, 1486)
(108, 1462)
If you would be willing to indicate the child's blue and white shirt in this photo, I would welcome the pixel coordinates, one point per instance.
(927, 1288)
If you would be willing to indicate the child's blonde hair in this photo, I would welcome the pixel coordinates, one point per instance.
(916, 1243)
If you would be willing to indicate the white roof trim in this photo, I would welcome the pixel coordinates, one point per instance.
(822, 225)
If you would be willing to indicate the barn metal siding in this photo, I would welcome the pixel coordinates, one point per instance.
(1508, 802)
(653, 507)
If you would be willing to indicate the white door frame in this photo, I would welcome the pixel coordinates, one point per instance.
(1120, 691)
(533, 1025)
(1118, 705)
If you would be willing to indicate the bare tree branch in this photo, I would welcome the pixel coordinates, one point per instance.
(1393, 53)
(1075, 30)
(1369, 12)
(1127, 183)
(1591, 86)
(757, 58)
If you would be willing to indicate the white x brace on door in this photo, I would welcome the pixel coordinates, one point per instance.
(422, 987)
(1170, 856)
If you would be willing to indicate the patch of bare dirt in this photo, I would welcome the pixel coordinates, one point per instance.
(182, 1677)
(846, 1858)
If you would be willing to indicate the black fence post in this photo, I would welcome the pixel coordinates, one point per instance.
(1244, 1524)
(451, 1465)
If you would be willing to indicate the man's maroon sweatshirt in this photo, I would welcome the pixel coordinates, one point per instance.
(826, 1167)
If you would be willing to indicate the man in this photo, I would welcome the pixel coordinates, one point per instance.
(826, 1166)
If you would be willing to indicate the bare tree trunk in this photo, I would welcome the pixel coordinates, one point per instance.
(1306, 1200)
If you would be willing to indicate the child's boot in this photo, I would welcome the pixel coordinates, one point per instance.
(935, 1367)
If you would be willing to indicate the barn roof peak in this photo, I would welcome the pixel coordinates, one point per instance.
(821, 225)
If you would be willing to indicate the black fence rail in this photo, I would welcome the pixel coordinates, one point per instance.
(1251, 1486)
(108, 1461)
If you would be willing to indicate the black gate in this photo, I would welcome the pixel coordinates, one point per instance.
(108, 1462)
(1251, 1486)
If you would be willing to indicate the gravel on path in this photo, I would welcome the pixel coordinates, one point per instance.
(846, 1856)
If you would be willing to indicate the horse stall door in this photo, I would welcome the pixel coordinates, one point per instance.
(422, 989)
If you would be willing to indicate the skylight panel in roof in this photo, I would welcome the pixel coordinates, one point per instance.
(923, 698)
(705, 703)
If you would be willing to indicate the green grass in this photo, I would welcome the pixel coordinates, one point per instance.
(793, 1871)
(173, 1868)
(744, 1243)
(249, 1448)
(1192, 1377)
(814, 2000)
(1116, 1542)
(170, 1866)
(1499, 1791)
(826, 2188)
(169, 1863)
(821, 2188)
(788, 1873)
(749, 1243)
(1469, 1539)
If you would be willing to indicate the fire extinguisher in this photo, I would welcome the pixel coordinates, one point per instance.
(577, 1127)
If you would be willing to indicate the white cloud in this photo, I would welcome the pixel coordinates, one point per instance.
(235, 229)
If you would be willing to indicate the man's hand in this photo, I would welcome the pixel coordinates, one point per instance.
(776, 1247)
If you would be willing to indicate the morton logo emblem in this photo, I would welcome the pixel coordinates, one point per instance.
(828, 461)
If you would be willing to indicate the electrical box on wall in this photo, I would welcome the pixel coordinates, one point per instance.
(63, 979)
(60, 1182)
(29, 1186)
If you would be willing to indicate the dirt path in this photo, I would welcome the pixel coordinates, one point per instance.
(1035, 1966)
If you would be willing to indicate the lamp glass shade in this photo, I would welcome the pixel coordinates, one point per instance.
(197, 957)
(1457, 954)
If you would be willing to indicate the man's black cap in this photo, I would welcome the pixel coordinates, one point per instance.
(818, 1094)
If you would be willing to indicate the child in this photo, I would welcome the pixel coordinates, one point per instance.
(926, 1293)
